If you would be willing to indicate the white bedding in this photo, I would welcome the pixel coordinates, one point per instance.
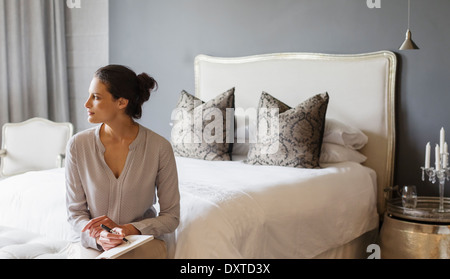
(233, 210)
(228, 209)
(36, 202)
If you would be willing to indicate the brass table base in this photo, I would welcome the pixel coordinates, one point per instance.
(404, 239)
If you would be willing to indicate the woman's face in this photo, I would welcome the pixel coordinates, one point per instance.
(101, 105)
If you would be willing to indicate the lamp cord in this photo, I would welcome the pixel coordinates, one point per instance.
(409, 12)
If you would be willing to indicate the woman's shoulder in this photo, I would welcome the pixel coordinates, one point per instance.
(154, 137)
(84, 136)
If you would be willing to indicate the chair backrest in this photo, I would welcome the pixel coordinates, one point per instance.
(35, 144)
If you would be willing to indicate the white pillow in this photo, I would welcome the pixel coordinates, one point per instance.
(335, 153)
(343, 134)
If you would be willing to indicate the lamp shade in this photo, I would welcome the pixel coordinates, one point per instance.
(408, 43)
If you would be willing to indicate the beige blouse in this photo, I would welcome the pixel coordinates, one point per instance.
(93, 190)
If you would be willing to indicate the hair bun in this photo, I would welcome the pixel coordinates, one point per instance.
(147, 84)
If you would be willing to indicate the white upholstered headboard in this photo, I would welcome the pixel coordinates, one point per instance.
(361, 89)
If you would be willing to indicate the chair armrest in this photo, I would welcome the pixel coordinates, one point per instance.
(2, 154)
(61, 158)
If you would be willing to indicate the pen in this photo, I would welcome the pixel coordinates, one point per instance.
(111, 231)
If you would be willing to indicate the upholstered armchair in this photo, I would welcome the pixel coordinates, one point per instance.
(32, 145)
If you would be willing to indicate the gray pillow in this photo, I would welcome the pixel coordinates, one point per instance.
(201, 130)
(296, 139)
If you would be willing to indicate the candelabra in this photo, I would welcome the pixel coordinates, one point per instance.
(441, 175)
(441, 170)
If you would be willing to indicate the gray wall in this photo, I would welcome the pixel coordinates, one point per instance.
(163, 37)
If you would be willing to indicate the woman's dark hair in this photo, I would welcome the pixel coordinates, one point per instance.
(122, 82)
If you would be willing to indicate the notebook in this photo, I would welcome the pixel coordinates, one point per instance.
(134, 241)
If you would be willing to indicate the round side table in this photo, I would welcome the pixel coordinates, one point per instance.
(419, 233)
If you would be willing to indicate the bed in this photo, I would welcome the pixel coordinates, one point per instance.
(235, 209)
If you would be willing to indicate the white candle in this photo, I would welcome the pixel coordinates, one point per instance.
(427, 155)
(445, 155)
(438, 157)
(442, 139)
(444, 160)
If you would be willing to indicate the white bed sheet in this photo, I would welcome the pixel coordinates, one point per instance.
(228, 209)
(233, 210)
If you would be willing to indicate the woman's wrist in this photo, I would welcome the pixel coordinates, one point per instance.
(129, 229)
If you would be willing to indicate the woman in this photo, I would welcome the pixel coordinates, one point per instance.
(113, 170)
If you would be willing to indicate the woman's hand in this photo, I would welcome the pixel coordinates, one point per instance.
(109, 240)
(106, 239)
(93, 226)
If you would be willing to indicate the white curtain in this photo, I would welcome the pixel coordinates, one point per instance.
(33, 71)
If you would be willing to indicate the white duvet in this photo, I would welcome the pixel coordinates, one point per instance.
(36, 202)
(228, 209)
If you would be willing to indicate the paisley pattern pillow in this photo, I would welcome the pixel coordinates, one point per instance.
(295, 139)
(201, 130)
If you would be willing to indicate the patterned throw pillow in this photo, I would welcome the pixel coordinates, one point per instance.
(295, 139)
(204, 130)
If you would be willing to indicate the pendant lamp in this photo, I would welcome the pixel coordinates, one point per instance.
(408, 43)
